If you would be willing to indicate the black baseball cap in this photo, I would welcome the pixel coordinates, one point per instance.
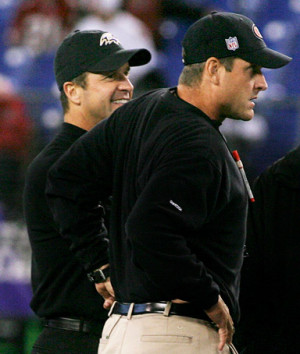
(226, 34)
(93, 51)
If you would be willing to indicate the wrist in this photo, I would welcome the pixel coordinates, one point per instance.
(99, 275)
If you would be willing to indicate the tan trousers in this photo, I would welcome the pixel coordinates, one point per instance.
(158, 334)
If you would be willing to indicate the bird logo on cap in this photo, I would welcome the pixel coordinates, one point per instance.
(108, 38)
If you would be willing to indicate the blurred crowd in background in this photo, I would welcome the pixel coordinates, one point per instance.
(30, 111)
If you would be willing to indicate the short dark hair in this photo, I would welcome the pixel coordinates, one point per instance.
(79, 80)
(192, 73)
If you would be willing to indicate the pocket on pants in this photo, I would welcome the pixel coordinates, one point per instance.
(166, 339)
(109, 327)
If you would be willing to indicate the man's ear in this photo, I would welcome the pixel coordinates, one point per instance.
(72, 91)
(212, 68)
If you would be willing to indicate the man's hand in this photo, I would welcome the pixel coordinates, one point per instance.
(220, 315)
(106, 290)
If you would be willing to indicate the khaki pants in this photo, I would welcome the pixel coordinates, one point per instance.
(158, 334)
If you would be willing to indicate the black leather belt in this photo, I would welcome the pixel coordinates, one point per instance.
(188, 310)
(72, 324)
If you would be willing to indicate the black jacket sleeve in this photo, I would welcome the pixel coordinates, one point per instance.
(79, 180)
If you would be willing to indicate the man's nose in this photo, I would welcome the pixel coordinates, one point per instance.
(126, 85)
(261, 83)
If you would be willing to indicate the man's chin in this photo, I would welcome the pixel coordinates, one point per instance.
(250, 116)
(116, 105)
(247, 116)
(244, 118)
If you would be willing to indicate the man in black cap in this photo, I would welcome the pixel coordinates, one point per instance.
(177, 226)
(92, 73)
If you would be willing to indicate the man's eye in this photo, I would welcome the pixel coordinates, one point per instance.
(256, 70)
(117, 76)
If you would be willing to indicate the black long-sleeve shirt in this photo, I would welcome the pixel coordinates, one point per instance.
(59, 282)
(270, 277)
(179, 205)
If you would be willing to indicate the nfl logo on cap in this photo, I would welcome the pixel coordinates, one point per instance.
(232, 43)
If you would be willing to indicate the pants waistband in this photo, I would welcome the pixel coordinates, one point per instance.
(165, 308)
(73, 324)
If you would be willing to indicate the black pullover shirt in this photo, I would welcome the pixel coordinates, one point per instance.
(177, 226)
(59, 282)
(270, 289)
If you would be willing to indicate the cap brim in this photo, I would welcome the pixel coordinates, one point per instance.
(267, 58)
(135, 57)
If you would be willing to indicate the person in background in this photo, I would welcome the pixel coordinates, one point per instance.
(270, 275)
(92, 73)
(41, 25)
(16, 132)
(128, 28)
(179, 203)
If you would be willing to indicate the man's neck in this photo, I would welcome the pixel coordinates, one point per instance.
(78, 121)
(200, 98)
